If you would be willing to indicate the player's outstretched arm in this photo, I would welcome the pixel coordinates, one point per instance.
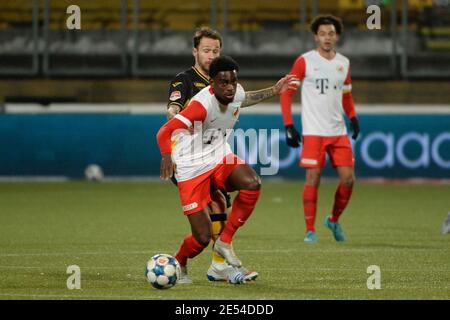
(285, 83)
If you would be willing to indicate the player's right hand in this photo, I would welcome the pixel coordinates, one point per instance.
(172, 111)
(167, 167)
(288, 82)
(293, 138)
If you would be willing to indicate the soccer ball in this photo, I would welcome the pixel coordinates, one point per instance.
(162, 271)
(93, 172)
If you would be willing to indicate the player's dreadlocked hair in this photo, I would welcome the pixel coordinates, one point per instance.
(222, 63)
(327, 19)
(206, 32)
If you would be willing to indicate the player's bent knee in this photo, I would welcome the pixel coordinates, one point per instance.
(349, 182)
(204, 239)
(313, 177)
(313, 181)
(253, 184)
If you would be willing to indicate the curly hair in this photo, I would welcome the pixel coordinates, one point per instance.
(222, 63)
(327, 19)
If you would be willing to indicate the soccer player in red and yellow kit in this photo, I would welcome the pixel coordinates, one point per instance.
(325, 96)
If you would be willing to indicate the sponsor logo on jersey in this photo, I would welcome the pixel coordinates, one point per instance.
(175, 84)
(191, 206)
(175, 95)
(199, 84)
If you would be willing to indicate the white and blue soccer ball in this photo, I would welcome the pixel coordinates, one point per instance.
(162, 271)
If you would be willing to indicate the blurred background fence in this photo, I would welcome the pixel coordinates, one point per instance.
(145, 40)
(153, 38)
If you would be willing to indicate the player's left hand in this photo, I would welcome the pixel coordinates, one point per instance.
(354, 124)
(288, 82)
(167, 167)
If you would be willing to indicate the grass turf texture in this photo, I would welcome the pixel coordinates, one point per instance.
(111, 229)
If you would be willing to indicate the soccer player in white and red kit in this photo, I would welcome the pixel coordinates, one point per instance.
(207, 44)
(325, 96)
(203, 156)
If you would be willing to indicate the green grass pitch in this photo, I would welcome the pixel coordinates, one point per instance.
(110, 230)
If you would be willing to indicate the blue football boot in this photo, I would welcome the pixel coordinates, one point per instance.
(310, 237)
(335, 227)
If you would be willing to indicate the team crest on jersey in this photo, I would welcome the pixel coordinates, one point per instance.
(236, 112)
(199, 85)
(175, 95)
(340, 68)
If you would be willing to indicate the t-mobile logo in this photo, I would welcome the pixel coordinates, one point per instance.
(322, 85)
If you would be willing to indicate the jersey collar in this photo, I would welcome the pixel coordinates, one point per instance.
(200, 74)
(334, 58)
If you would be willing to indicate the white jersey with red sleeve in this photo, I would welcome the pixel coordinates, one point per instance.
(205, 145)
(325, 86)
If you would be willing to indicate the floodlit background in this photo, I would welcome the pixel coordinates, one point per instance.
(73, 98)
(64, 93)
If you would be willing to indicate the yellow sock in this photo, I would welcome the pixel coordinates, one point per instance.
(217, 227)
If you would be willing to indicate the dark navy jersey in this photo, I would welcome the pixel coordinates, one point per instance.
(185, 85)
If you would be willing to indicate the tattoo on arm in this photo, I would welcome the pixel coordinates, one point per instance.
(254, 97)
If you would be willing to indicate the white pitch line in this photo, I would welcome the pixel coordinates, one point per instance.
(78, 296)
(298, 250)
(75, 253)
(53, 267)
(314, 269)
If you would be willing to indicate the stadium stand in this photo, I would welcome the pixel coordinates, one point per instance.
(256, 30)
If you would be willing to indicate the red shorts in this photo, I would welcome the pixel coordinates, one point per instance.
(195, 194)
(338, 148)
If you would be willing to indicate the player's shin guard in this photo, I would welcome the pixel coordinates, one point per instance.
(188, 249)
(218, 221)
(310, 206)
(243, 206)
(341, 199)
